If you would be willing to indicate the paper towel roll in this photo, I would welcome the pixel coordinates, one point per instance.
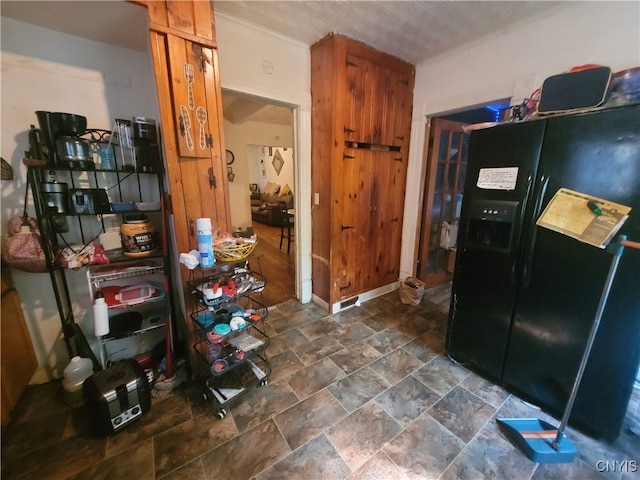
(100, 315)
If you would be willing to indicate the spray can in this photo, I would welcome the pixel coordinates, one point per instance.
(205, 242)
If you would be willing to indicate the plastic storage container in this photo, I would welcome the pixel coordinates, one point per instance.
(137, 235)
(78, 370)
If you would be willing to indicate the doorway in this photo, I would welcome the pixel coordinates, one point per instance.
(258, 131)
(446, 159)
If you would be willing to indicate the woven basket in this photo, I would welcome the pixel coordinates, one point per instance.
(232, 254)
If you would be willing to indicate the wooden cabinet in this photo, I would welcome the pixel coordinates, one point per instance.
(361, 123)
(188, 81)
(378, 104)
(18, 361)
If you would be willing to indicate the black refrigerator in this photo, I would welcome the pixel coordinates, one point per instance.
(524, 297)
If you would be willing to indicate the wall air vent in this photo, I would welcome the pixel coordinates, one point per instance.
(348, 303)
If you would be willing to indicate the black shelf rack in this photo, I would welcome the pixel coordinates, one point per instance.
(236, 358)
(54, 227)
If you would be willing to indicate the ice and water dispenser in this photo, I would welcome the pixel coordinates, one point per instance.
(491, 224)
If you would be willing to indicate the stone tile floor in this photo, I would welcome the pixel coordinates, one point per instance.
(364, 394)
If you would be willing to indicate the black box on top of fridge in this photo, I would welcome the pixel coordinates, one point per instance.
(524, 297)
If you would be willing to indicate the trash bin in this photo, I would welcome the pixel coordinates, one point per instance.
(411, 291)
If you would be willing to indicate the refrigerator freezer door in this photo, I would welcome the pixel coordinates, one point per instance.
(501, 167)
(597, 154)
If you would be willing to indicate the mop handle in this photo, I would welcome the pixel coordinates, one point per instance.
(616, 249)
(629, 243)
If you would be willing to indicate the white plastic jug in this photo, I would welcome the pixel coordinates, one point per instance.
(78, 370)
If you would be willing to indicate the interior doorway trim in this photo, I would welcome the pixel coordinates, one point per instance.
(302, 179)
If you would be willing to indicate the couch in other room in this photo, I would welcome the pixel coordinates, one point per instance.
(264, 209)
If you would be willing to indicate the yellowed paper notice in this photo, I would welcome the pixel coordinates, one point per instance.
(589, 219)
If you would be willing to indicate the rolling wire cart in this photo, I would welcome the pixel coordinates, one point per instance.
(231, 340)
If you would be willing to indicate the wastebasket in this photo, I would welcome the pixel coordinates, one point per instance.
(411, 291)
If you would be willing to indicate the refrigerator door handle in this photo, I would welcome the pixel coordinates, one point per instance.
(537, 209)
(523, 209)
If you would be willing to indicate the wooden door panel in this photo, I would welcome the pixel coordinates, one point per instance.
(446, 167)
(18, 357)
(216, 148)
(379, 103)
(169, 129)
(375, 102)
(387, 108)
(391, 172)
(380, 167)
(204, 25)
(378, 97)
(194, 18)
(191, 19)
(396, 213)
(348, 230)
(402, 107)
(188, 93)
(180, 15)
(201, 119)
(367, 219)
(191, 173)
(355, 98)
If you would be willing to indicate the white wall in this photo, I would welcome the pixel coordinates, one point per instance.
(241, 140)
(263, 170)
(47, 70)
(513, 64)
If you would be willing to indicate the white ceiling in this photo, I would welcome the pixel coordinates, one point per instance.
(415, 31)
(412, 30)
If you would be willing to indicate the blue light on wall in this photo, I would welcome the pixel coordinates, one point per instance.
(495, 110)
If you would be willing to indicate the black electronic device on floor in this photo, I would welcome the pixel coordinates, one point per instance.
(117, 396)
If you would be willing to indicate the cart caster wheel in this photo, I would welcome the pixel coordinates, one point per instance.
(264, 382)
(221, 413)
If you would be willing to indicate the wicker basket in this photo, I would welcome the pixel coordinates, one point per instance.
(232, 254)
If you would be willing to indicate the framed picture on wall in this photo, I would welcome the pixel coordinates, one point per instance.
(278, 162)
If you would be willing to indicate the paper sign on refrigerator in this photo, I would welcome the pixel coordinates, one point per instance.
(503, 178)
